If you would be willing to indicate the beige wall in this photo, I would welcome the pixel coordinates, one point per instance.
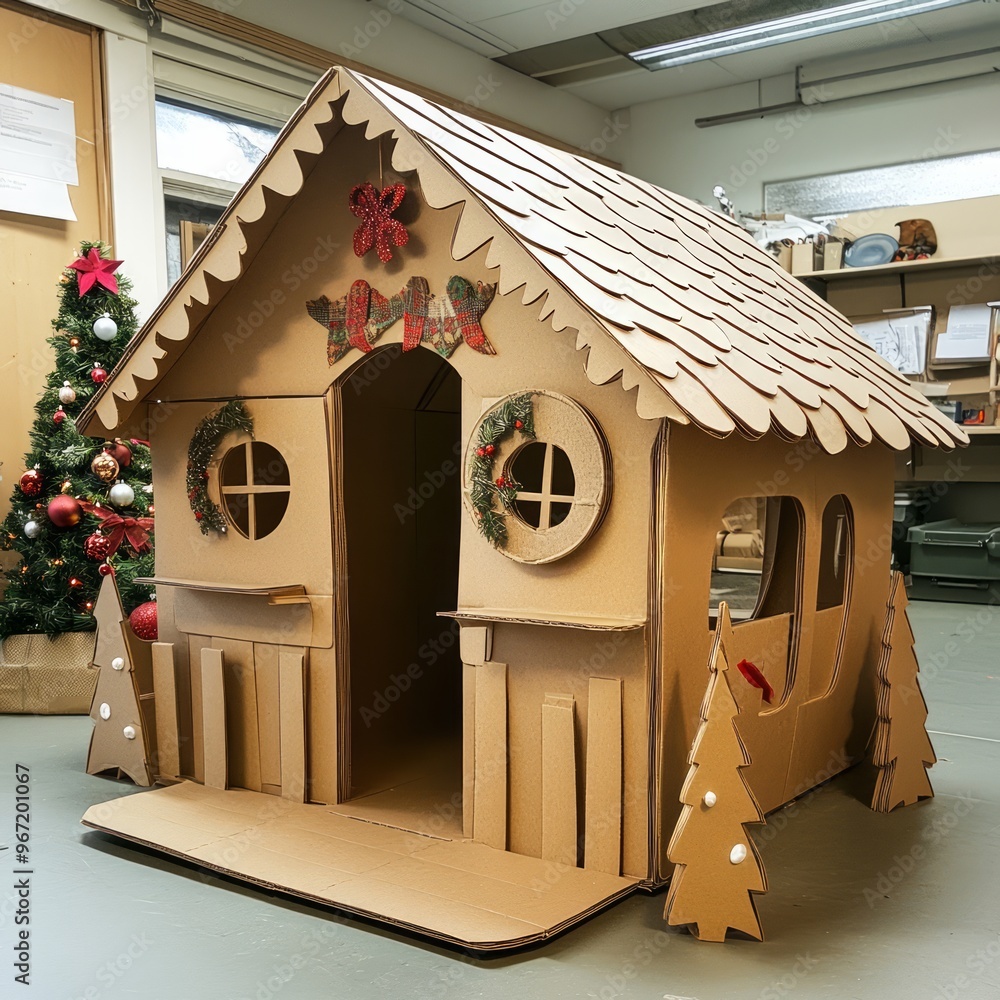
(664, 145)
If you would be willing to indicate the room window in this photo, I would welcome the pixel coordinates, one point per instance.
(563, 475)
(836, 554)
(756, 565)
(255, 487)
(203, 157)
(545, 475)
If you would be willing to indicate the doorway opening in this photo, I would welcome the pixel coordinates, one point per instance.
(402, 509)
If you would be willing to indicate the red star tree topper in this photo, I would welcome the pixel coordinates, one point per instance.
(94, 269)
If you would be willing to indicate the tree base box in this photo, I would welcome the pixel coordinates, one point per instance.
(47, 675)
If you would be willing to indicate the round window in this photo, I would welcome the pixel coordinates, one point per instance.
(254, 483)
(562, 477)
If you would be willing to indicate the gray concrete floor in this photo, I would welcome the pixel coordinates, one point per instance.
(860, 907)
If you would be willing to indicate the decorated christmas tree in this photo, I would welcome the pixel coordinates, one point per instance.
(82, 509)
(718, 870)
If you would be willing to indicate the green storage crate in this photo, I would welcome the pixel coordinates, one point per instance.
(952, 561)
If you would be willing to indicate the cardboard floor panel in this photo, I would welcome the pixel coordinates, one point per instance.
(452, 890)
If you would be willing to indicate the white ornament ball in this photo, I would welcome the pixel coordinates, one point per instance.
(105, 328)
(710, 799)
(738, 854)
(67, 394)
(121, 494)
(105, 710)
(129, 732)
(117, 663)
(32, 529)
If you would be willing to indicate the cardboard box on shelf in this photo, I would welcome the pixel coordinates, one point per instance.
(449, 595)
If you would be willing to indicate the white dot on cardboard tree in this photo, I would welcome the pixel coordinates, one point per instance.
(117, 663)
(710, 798)
(738, 854)
(105, 710)
(129, 732)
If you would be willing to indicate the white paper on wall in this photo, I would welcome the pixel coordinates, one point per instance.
(967, 337)
(37, 153)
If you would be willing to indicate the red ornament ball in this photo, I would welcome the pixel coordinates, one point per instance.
(74, 583)
(64, 511)
(106, 569)
(97, 376)
(32, 483)
(143, 621)
(120, 452)
(97, 547)
(59, 416)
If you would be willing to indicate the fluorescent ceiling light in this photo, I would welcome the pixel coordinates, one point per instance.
(808, 24)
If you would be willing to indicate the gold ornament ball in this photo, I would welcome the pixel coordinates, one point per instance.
(105, 467)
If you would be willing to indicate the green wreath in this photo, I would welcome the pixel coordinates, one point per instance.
(232, 416)
(514, 414)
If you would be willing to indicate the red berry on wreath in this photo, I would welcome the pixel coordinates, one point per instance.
(501, 482)
(518, 424)
(490, 449)
(480, 452)
(106, 569)
(198, 515)
(143, 621)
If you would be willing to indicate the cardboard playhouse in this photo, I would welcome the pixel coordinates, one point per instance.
(444, 425)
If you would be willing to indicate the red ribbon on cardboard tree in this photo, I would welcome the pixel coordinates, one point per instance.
(117, 528)
(756, 678)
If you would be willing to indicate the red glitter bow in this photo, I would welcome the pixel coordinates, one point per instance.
(756, 678)
(374, 208)
(115, 527)
(94, 269)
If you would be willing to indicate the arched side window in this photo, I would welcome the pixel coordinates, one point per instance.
(836, 553)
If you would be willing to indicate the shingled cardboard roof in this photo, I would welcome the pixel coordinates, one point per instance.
(672, 298)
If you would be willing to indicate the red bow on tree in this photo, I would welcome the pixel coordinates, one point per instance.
(374, 208)
(115, 527)
(95, 269)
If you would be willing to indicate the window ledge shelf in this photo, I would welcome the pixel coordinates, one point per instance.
(593, 623)
(294, 593)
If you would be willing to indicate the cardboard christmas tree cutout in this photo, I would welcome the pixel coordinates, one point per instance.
(717, 869)
(119, 741)
(902, 749)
